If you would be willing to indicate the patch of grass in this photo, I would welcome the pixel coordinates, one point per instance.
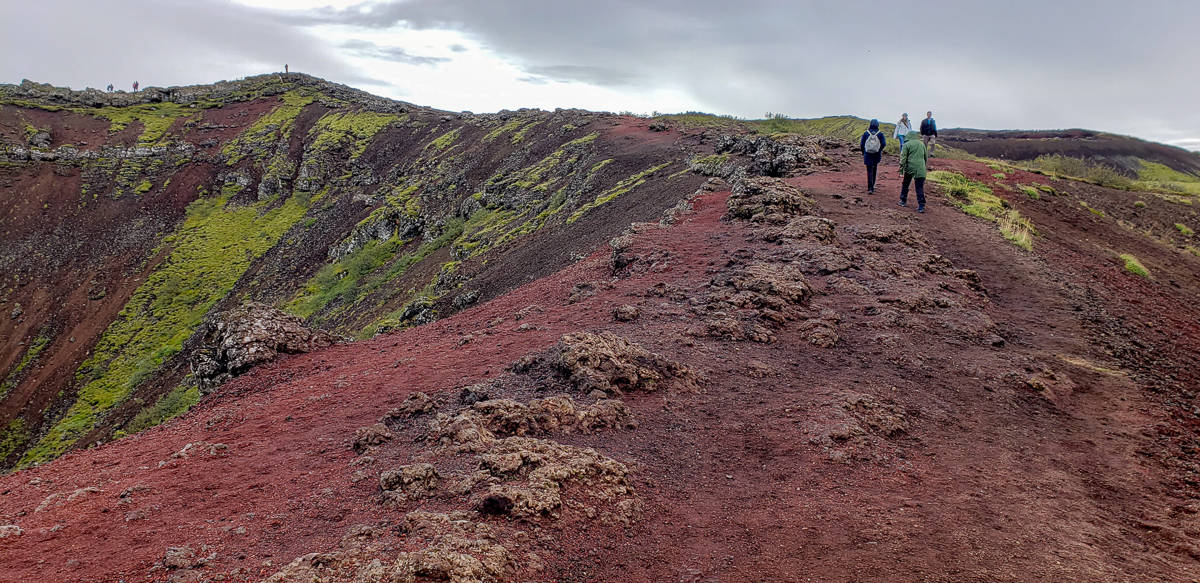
(1141, 204)
(1132, 265)
(1091, 209)
(1046, 188)
(621, 187)
(340, 280)
(208, 254)
(1029, 191)
(978, 200)
(143, 187)
(1184, 229)
(700, 120)
(1156, 177)
(999, 176)
(1078, 169)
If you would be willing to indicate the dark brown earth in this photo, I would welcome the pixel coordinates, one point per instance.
(942, 406)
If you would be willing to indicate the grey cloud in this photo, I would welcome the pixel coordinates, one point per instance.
(167, 42)
(587, 74)
(395, 54)
(1024, 63)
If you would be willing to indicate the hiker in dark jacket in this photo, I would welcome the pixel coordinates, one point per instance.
(929, 133)
(871, 145)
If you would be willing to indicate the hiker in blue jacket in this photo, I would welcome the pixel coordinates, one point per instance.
(872, 144)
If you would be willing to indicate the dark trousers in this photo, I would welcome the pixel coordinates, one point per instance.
(920, 190)
(872, 172)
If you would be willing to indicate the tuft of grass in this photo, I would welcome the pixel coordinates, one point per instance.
(1141, 204)
(1091, 209)
(978, 200)
(1184, 229)
(999, 176)
(1030, 191)
(31, 355)
(1132, 265)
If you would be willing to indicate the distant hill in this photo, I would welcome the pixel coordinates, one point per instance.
(1121, 152)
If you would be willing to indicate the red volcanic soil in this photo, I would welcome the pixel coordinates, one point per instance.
(951, 434)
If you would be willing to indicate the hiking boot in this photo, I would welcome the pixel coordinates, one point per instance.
(920, 209)
(902, 203)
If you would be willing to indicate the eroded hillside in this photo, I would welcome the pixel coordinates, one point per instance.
(130, 219)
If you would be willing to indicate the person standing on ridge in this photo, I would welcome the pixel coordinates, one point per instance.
(285, 69)
(110, 88)
(912, 166)
(929, 133)
(135, 85)
(902, 128)
(871, 145)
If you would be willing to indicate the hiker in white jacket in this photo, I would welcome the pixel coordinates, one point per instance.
(902, 129)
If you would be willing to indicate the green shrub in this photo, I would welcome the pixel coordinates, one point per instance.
(1184, 229)
(1139, 204)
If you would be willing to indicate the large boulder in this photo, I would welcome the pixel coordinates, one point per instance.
(247, 336)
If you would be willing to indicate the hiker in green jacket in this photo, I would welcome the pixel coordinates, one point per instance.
(912, 166)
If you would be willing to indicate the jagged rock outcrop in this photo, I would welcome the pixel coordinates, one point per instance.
(782, 156)
(247, 336)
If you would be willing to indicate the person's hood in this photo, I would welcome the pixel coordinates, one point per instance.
(912, 135)
(874, 125)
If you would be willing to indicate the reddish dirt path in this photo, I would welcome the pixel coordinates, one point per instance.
(990, 479)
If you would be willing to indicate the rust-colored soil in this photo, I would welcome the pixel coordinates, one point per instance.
(1028, 425)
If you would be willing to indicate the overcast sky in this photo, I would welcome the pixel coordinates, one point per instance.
(1125, 67)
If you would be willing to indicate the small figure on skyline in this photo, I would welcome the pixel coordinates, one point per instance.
(871, 145)
(912, 166)
(110, 88)
(285, 68)
(902, 128)
(135, 85)
(929, 133)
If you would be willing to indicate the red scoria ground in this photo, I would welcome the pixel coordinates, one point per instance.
(950, 434)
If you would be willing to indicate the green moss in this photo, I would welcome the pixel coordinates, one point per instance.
(341, 279)
(511, 126)
(14, 438)
(519, 137)
(977, 199)
(168, 406)
(13, 378)
(143, 187)
(1184, 229)
(999, 176)
(444, 141)
(621, 187)
(209, 253)
(352, 130)
(259, 139)
(536, 176)
(156, 118)
(1132, 265)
